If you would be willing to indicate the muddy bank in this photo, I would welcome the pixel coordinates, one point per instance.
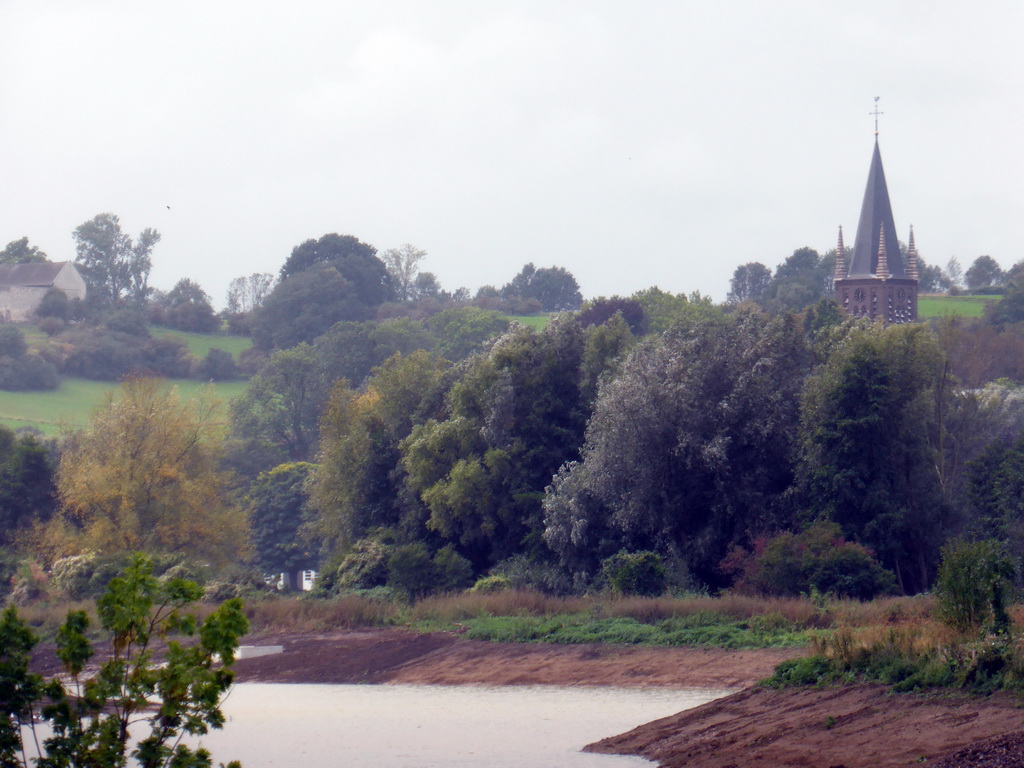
(851, 727)
(845, 727)
(402, 656)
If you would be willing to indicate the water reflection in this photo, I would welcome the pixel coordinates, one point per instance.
(386, 726)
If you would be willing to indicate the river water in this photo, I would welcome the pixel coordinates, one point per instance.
(404, 726)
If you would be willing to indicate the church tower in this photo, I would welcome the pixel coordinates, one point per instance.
(875, 280)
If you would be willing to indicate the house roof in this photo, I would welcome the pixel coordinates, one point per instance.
(876, 230)
(37, 275)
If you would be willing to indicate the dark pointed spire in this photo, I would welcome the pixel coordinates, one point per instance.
(876, 223)
(840, 257)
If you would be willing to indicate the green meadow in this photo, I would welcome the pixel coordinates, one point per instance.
(947, 306)
(70, 405)
(537, 322)
(201, 343)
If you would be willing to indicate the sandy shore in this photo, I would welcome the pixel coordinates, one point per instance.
(846, 727)
(401, 656)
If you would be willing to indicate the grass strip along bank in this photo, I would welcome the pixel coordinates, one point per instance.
(730, 621)
(704, 629)
(910, 658)
(973, 640)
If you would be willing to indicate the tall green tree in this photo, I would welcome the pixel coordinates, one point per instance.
(984, 272)
(871, 433)
(278, 509)
(247, 293)
(690, 448)
(20, 252)
(304, 306)
(801, 280)
(402, 264)
(352, 350)
(749, 282)
(187, 307)
(358, 484)
(322, 282)
(513, 418)
(995, 494)
(460, 331)
(115, 267)
(553, 287)
(282, 403)
(335, 250)
(28, 494)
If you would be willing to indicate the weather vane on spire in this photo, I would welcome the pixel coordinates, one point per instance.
(876, 113)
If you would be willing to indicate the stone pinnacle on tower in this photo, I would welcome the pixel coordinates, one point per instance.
(840, 257)
(912, 264)
(883, 259)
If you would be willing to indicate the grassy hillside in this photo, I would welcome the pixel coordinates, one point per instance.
(201, 343)
(198, 343)
(537, 322)
(961, 306)
(71, 404)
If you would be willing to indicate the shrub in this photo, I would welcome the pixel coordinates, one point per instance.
(810, 670)
(600, 311)
(54, 306)
(29, 583)
(365, 566)
(452, 571)
(96, 354)
(165, 357)
(490, 584)
(9, 563)
(850, 571)
(129, 321)
(29, 372)
(411, 569)
(238, 323)
(12, 341)
(51, 326)
(817, 559)
(193, 317)
(524, 572)
(71, 575)
(252, 360)
(972, 586)
(218, 365)
(635, 573)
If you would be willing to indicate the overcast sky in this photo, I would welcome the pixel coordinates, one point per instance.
(634, 143)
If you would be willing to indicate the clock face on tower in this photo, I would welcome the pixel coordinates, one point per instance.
(858, 295)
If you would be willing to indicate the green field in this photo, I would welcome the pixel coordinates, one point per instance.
(537, 322)
(201, 343)
(71, 404)
(949, 306)
(198, 343)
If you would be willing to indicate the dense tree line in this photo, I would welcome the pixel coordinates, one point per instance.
(397, 436)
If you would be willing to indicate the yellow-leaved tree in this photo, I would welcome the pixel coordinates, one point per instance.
(145, 476)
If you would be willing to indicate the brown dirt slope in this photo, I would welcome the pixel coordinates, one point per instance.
(402, 656)
(844, 727)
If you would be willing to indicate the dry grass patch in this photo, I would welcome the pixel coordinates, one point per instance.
(292, 614)
(468, 605)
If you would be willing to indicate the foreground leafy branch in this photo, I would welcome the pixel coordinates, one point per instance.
(95, 719)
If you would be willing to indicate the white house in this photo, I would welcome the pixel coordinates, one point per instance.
(22, 286)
